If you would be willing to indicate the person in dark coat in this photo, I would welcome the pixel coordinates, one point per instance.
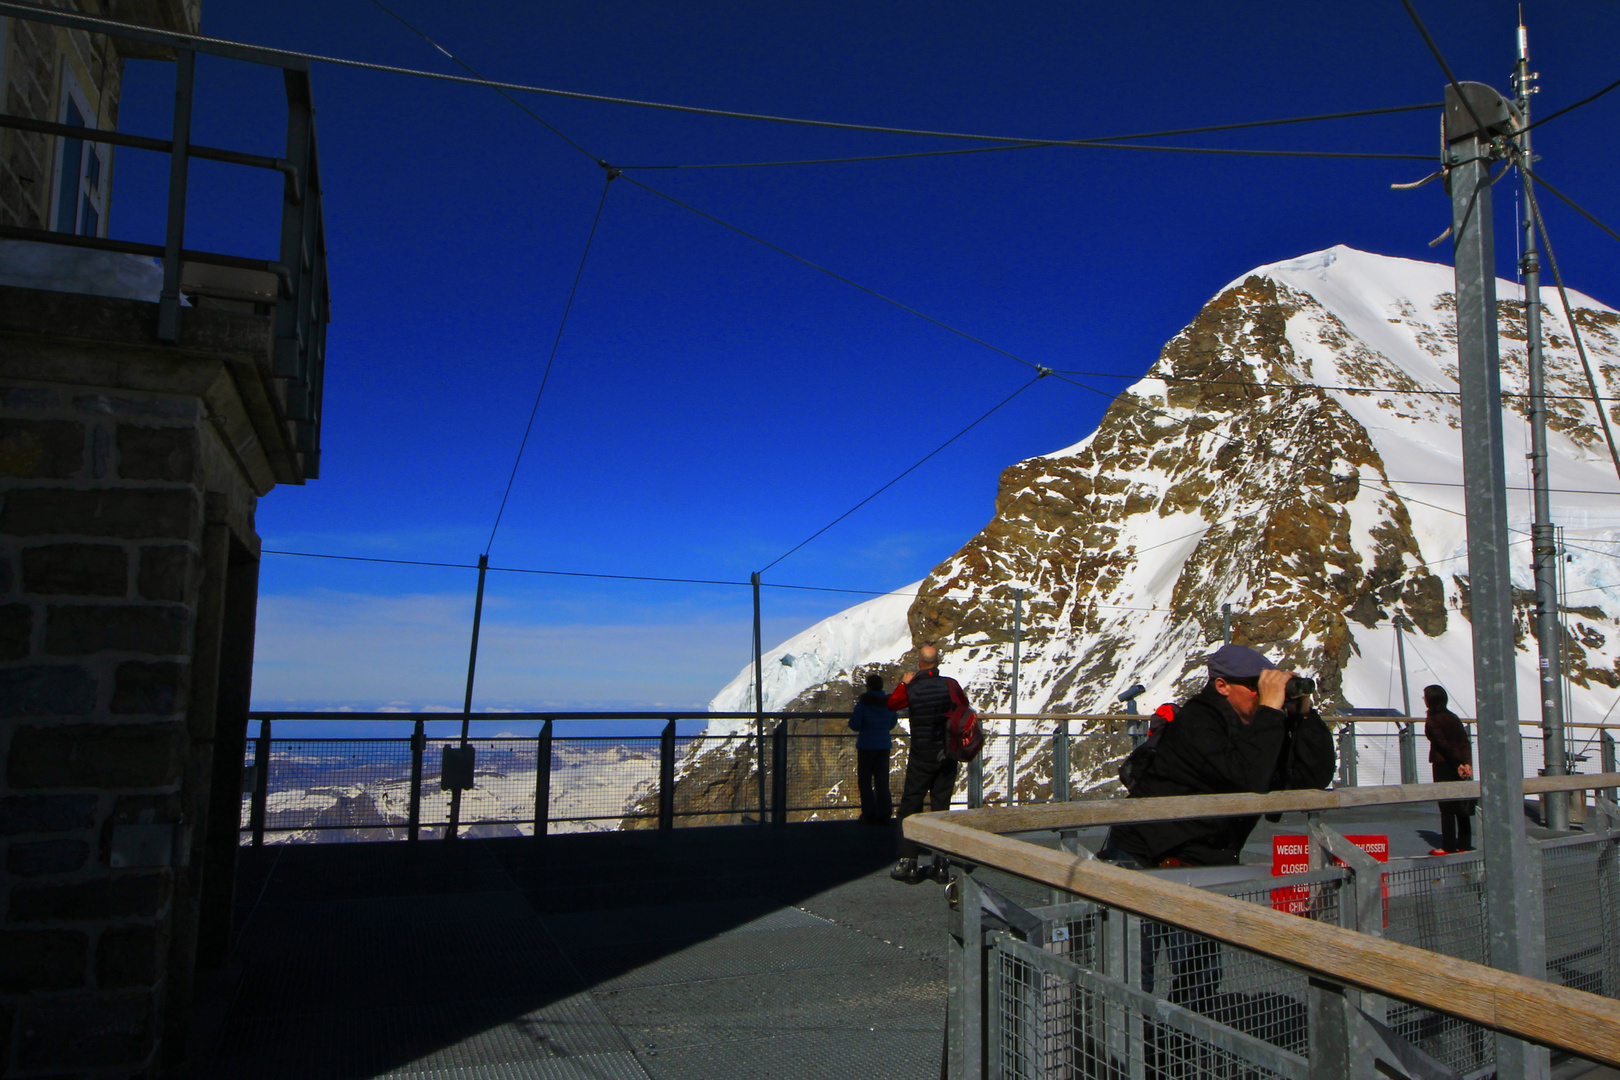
(930, 773)
(1453, 759)
(1240, 733)
(872, 721)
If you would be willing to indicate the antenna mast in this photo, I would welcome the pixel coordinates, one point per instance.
(1543, 536)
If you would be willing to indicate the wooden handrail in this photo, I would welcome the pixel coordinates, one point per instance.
(1079, 815)
(1525, 1008)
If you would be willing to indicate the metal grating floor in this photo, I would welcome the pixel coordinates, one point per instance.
(708, 953)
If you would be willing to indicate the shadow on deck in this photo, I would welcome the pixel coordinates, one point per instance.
(714, 953)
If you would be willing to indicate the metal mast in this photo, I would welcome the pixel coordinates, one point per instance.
(1478, 121)
(1543, 540)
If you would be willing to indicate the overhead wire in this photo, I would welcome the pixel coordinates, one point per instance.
(1072, 144)
(1569, 317)
(550, 360)
(1024, 142)
(907, 472)
(1571, 108)
(470, 70)
(113, 26)
(1150, 376)
(1445, 67)
(1571, 203)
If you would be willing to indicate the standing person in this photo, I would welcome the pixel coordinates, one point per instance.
(872, 722)
(929, 771)
(1453, 759)
(1240, 733)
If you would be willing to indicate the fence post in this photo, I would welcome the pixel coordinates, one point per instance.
(965, 1029)
(413, 827)
(1409, 753)
(1347, 755)
(975, 792)
(261, 792)
(779, 774)
(1060, 762)
(179, 163)
(666, 778)
(542, 781)
(1606, 750)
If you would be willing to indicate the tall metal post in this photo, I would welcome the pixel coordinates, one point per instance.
(466, 704)
(185, 73)
(1408, 729)
(1226, 624)
(1012, 723)
(413, 818)
(1543, 542)
(666, 777)
(542, 781)
(258, 808)
(759, 700)
(1513, 912)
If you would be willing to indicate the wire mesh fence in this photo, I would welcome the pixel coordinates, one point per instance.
(1052, 1018)
(1164, 1001)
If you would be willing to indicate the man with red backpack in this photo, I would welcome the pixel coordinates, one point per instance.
(931, 768)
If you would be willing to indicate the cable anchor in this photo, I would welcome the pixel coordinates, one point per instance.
(613, 173)
(1042, 371)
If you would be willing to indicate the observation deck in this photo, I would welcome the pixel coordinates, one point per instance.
(741, 951)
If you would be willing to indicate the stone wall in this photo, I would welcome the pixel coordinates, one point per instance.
(102, 522)
(128, 571)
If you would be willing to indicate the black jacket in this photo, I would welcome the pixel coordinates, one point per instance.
(1207, 750)
(928, 696)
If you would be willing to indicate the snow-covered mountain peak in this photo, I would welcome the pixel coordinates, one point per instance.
(1294, 452)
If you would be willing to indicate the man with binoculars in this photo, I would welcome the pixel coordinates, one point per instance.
(1251, 728)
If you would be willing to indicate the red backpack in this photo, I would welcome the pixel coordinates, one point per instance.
(964, 735)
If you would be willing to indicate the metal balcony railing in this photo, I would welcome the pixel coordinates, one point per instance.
(294, 284)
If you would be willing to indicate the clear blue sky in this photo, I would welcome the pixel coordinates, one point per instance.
(714, 403)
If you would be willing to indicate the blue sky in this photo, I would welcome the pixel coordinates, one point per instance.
(713, 403)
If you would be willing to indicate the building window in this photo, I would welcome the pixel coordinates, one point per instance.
(81, 197)
(67, 195)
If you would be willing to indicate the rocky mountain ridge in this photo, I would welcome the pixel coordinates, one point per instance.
(1294, 452)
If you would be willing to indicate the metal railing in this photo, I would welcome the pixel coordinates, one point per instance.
(371, 788)
(1213, 973)
(302, 299)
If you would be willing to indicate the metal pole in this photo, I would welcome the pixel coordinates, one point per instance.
(666, 778)
(759, 700)
(1226, 624)
(1606, 755)
(1408, 729)
(1012, 723)
(261, 783)
(1512, 912)
(542, 781)
(1543, 542)
(185, 73)
(413, 821)
(466, 703)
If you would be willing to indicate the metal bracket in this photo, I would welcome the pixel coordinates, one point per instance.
(1027, 926)
(1607, 808)
(1409, 1060)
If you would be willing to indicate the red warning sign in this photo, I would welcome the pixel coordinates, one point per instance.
(1292, 855)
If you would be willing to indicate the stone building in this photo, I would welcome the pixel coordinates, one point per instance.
(130, 468)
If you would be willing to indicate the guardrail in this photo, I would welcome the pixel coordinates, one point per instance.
(1084, 1011)
(370, 788)
(299, 291)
